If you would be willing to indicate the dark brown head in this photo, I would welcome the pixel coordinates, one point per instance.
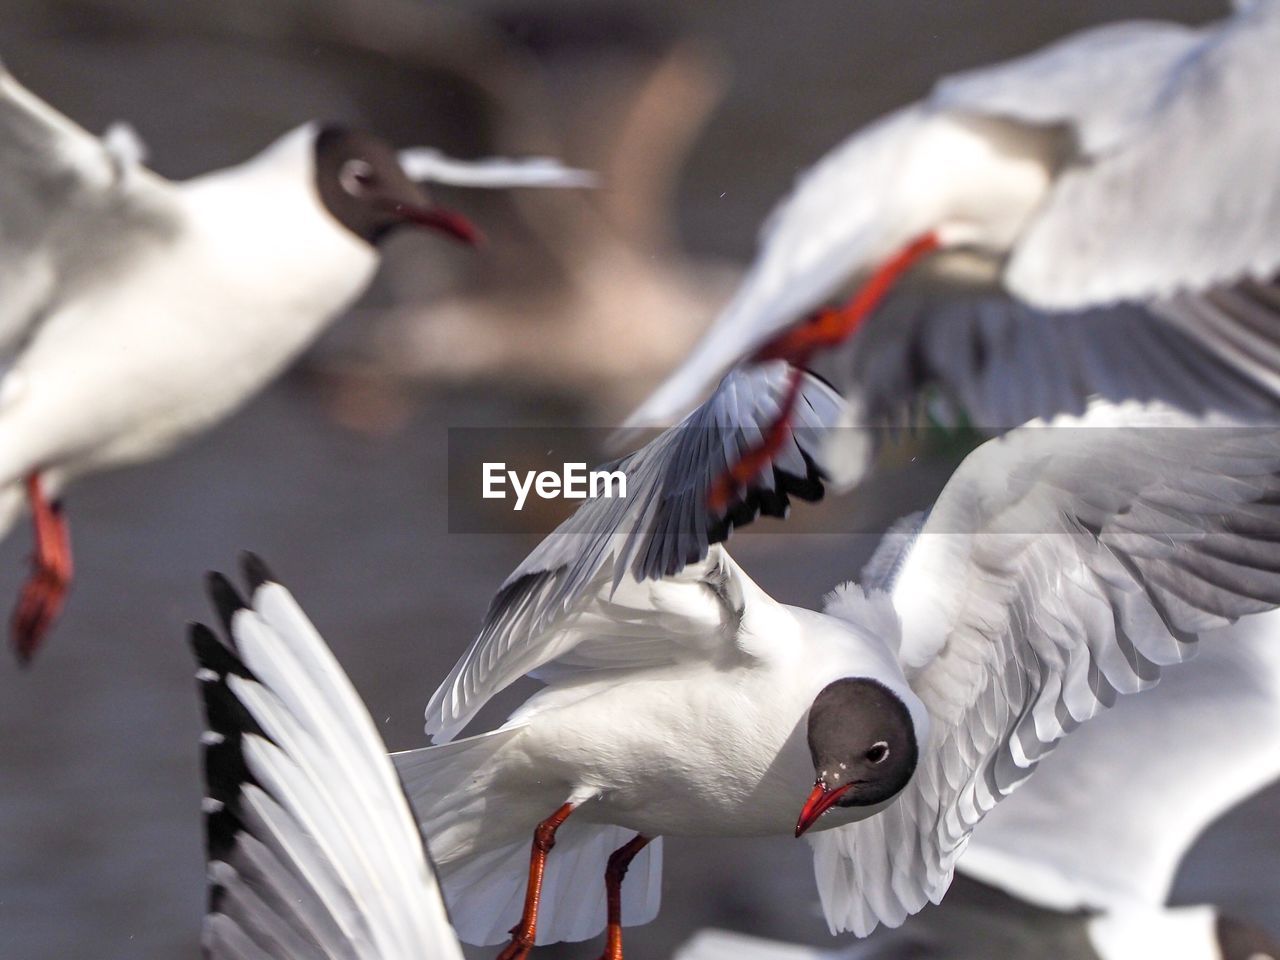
(363, 186)
(863, 745)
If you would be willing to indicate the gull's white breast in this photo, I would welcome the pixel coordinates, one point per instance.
(196, 322)
(700, 748)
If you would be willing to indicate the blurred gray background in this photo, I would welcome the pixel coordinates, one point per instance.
(701, 115)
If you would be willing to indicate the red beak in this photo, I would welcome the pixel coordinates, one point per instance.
(446, 221)
(821, 799)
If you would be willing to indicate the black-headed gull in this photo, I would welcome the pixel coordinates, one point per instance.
(1069, 565)
(1123, 164)
(138, 311)
(1087, 850)
(312, 850)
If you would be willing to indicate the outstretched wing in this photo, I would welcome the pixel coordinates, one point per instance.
(313, 853)
(1061, 567)
(1098, 83)
(613, 551)
(1107, 819)
(996, 363)
(1188, 201)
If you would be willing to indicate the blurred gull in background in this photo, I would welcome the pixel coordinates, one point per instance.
(1120, 169)
(139, 311)
(595, 299)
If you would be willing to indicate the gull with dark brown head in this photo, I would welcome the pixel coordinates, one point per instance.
(140, 311)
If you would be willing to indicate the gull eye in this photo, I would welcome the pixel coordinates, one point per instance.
(878, 753)
(356, 177)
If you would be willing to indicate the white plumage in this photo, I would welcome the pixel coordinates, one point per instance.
(1168, 763)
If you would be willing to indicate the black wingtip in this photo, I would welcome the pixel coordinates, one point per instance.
(256, 572)
(214, 655)
(198, 639)
(226, 599)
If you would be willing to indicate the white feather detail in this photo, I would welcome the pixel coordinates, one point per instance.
(429, 164)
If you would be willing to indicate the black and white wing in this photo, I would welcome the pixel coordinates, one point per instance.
(1061, 567)
(68, 200)
(626, 553)
(313, 853)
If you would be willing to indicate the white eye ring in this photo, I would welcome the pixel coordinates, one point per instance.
(879, 745)
(356, 176)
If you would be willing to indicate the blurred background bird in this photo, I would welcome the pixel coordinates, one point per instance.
(143, 310)
(1110, 174)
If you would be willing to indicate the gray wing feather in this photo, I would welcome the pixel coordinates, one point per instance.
(1148, 759)
(663, 525)
(1078, 564)
(1002, 363)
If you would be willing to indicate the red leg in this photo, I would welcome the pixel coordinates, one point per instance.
(797, 345)
(46, 587)
(614, 874)
(525, 932)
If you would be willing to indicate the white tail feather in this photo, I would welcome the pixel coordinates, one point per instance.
(479, 817)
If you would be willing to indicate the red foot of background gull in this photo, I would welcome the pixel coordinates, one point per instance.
(797, 345)
(46, 588)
